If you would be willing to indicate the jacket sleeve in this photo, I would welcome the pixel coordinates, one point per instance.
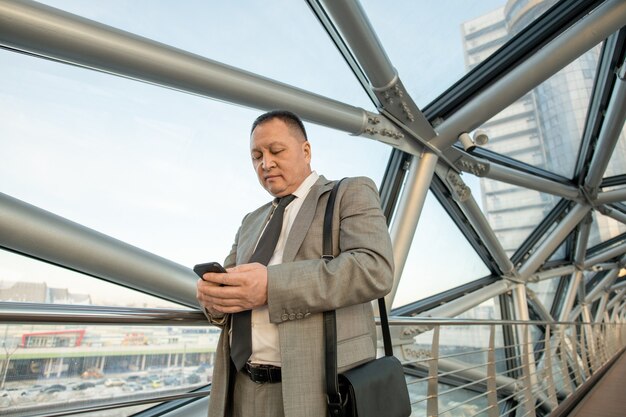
(220, 320)
(361, 271)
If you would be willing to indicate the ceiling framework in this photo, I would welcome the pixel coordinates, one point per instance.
(426, 156)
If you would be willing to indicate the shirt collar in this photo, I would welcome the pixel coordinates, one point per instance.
(305, 187)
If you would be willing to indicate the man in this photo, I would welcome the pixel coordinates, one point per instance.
(284, 373)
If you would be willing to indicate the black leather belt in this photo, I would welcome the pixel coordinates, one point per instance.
(263, 373)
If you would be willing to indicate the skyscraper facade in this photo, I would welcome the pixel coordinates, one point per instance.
(543, 128)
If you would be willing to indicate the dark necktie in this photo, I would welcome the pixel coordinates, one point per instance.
(241, 346)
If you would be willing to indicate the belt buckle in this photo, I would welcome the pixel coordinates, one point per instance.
(256, 373)
(260, 374)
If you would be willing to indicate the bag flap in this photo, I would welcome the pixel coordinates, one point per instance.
(379, 388)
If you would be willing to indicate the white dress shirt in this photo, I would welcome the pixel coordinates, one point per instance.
(265, 343)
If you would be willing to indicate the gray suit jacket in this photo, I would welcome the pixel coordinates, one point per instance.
(304, 286)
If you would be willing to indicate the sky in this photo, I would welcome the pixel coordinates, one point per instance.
(170, 172)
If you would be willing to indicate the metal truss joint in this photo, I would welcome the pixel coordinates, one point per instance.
(397, 101)
(514, 278)
(380, 128)
(472, 165)
(460, 191)
(588, 195)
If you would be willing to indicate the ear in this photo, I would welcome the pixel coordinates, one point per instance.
(306, 148)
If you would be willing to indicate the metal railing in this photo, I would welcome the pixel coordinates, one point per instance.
(464, 368)
(454, 367)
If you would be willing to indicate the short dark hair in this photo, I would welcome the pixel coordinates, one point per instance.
(289, 118)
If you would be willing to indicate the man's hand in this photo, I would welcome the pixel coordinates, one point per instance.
(243, 287)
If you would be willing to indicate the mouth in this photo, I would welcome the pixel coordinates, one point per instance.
(269, 178)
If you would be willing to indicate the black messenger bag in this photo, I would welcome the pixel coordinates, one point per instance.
(374, 389)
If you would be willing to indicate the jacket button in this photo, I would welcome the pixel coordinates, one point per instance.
(292, 316)
(285, 317)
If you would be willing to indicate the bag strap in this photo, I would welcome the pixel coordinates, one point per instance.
(333, 396)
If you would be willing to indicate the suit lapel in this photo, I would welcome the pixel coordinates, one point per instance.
(252, 234)
(303, 220)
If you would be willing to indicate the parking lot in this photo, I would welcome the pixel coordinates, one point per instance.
(120, 386)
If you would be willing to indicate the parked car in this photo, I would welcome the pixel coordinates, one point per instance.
(193, 379)
(83, 386)
(132, 386)
(171, 380)
(52, 389)
(114, 382)
(31, 391)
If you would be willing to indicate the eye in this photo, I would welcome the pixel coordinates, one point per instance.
(256, 156)
(276, 151)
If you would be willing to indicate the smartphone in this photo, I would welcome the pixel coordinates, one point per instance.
(201, 269)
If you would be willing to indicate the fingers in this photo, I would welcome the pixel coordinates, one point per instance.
(245, 267)
(243, 287)
(215, 278)
(224, 299)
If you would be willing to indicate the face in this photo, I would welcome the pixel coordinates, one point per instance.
(281, 159)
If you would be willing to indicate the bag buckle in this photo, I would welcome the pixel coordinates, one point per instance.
(335, 408)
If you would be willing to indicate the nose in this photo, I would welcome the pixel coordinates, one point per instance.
(267, 162)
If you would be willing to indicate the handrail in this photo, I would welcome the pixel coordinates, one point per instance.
(19, 312)
(12, 312)
(475, 373)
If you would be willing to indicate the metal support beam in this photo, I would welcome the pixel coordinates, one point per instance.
(538, 306)
(609, 134)
(35, 232)
(605, 266)
(356, 30)
(570, 296)
(578, 39)
(601, 307)
(463, 196)
(408, 214)
(523, 179)
(617, 299)
(558, 235)
(466, 302)
(612, 196)
(529, 370)
(602, 286)
(51, 33)
(358, 33)
(552, 273)
(612, 213)
(605, 256)
(582, 240)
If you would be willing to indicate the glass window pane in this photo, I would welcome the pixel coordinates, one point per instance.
(414, 34)
(617, 163)
(470, 343)
(545, 291)
(513, 212)
(53, 367)
(23, 279)
(544, 128)
(604, 228)
(440, 258)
